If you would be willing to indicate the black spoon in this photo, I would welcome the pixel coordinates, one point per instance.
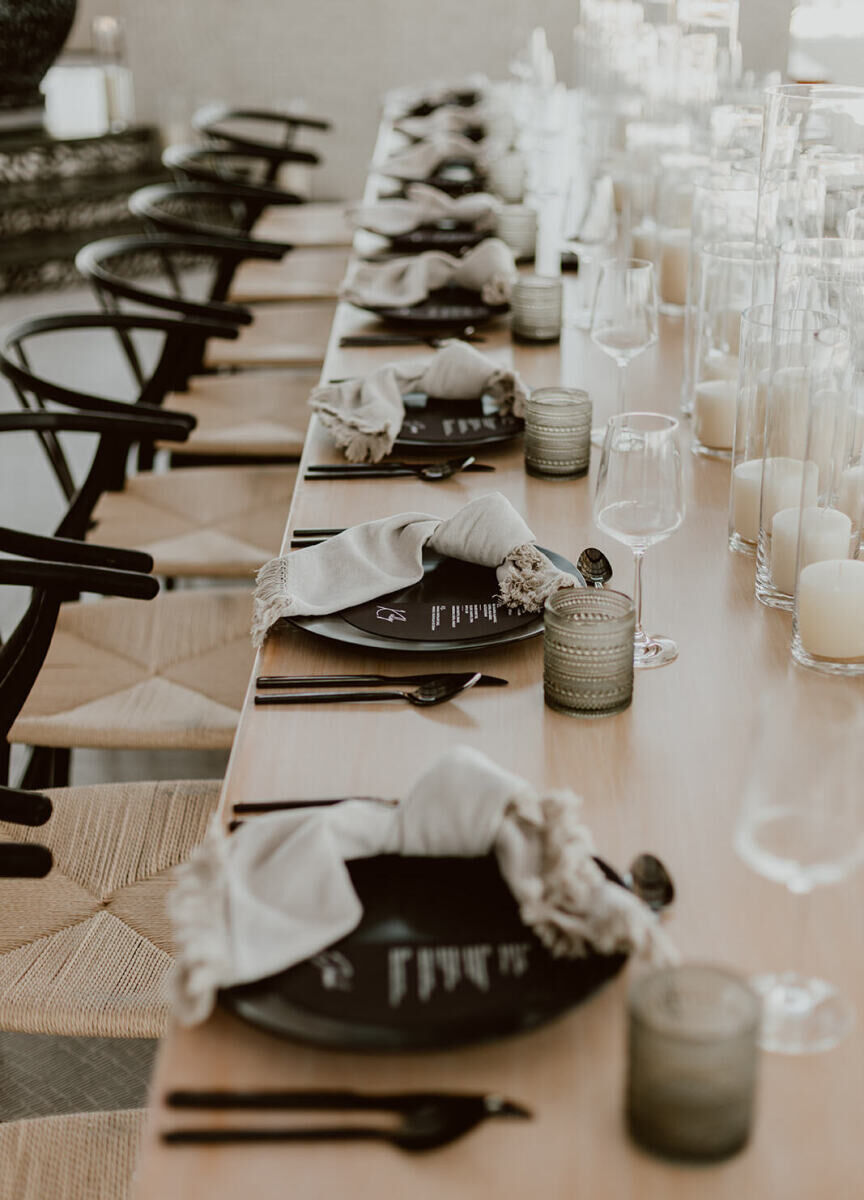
(650, 881)
(594, 567)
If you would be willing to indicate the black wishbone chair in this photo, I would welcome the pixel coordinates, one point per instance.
(85, 941)
(229, 126)
(286, 216)
(229, 212)
(213, 522)
(167, 675)
(279, 336)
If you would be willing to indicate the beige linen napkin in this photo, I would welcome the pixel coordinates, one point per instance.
(278, 891)
(423, 159)
(489, 268)
(364, 416)
(383, 556)
(426, 206)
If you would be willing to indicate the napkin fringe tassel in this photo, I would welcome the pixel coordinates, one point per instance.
(359, 445)
(272, 600)
(526, 579)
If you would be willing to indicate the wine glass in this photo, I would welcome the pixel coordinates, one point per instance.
(801, 823)
(624, 317)
(639, 501)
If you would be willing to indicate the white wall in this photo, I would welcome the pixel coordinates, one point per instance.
(342, 54)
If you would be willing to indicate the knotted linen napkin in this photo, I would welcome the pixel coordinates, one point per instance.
(489, 268)
(426, 205)
(450, 118)
(278, 891)
(423, 159)
(380, 557)
(436, 91)
(364, 416)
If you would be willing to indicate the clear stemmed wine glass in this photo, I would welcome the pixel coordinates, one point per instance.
(639, 501)
(801, 823)
(624, 317)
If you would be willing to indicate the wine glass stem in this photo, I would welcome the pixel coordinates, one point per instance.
(622, 387)
(639, 637)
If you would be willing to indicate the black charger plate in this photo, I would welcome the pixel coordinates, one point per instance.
(428, 616)
(445, 309)
(440, 958)
(434, 424)
(452, 239)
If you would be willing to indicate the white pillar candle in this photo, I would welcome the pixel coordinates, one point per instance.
(782, 486)
(851, 498)
(714, 413)
(717, 365)
(746, 490)
(825, 534)
(674, 259)
(831, 609)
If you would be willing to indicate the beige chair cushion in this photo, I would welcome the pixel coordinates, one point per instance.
(302, 275)
(204, 521)
(281, 335)
(256, 413)
(78, 1156)
(87, 951)
(315, 224)
(165, 674)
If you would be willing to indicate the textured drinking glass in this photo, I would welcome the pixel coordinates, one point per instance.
(801, 823)
(516, 225)
(624, 317)
(588, 651)
(557, 433)
(692, 1059)
(535, 309)
(640, 501)
(818, 362)
(730, 273)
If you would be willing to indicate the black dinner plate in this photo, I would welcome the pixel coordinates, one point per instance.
(466, 99)
(449, 237)
(452, 608)
(431, 423)
(455, 176)
(445, 309)
(440, 958)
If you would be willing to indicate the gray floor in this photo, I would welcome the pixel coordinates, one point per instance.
(41, 1075)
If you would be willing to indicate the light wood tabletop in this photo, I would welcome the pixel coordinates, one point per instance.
(664, 776)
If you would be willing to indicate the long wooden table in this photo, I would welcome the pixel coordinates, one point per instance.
(665, 775)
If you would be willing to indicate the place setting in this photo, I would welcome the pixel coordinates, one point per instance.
(429, 219)
(458, 401)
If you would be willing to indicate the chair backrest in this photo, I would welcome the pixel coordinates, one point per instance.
(270, 135)
(211, 210)
(160, 272)
(218, 165)
(22, 342)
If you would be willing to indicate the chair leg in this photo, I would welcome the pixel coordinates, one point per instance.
(49, 766)
(4, 763)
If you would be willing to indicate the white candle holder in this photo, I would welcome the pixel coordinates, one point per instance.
(808, 432)
(729, 273)
(748, 451)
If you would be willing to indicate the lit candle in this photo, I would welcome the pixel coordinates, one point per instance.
(851, 498)
(831, 609)
(674, 260)
(825, 534)
(746, 490)
(714, 413)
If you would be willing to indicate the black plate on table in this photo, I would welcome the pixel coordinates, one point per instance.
(445, 309)
(452, 608)
(446, 236)
(466, 99)
(440, 958)
(434, 424)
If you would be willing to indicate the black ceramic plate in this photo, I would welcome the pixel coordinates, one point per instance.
(452, 239)
(465, 99)
(445, 309)
(440, 958)
(451, 609)
(434, 424)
